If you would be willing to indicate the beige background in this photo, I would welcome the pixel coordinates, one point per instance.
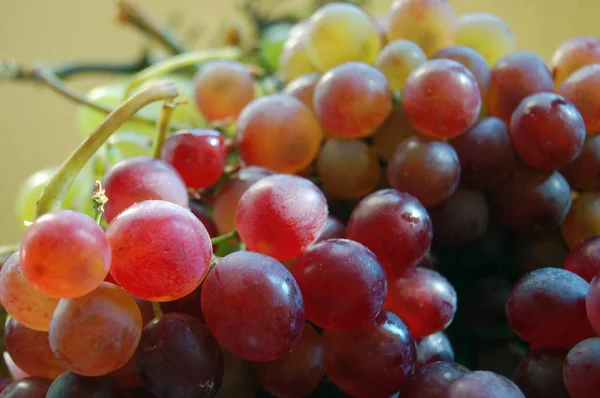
(37, 129)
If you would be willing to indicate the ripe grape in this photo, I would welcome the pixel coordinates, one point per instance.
(65, 254)
(240, 379)
(546, 308)
(352, 100)
(178, 357)
(332, 229)
(581, 88)
(303, 89)
(29, 387)
(547, 131)
(592, 303)
(72, 385)
(281, 215)
(21, 299)
(348, 169)
(584, 259)
(30, 350)
(253, 306)
(294, 60)
(342, 283)
(340, 32)
(393, 130)
(297, 373)
(278, 132)
(97, 333)
(515, 77)
(482, 384)
(473, 61)
(385, 345)
(442, 99)
(434, 348)
(581, 369)
(584, 172)
(394, 226)
(189, 304)
(222, 89)
(428, 23)
(198, 155)
(161, 251)
(137, 179)
(539, 374)
(397, 60)
(573, 55)
(271, 43)
(487, 34)
(432, 380)
(425, 168)
(583, 220)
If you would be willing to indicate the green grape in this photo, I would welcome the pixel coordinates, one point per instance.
(131, 144)
(398, 59)
(294, 60)
(271, 43)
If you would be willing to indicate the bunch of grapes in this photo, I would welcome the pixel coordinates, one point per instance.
(364, 206)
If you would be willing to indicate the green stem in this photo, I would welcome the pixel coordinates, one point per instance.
(222, 238)
(55, 191)
(162, 126)
(99, 199)
(156, 309)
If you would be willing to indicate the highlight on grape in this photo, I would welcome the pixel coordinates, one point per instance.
(334, 202)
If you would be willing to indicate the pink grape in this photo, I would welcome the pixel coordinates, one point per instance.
(584, 259)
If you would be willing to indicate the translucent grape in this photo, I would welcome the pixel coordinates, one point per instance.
(348, 169)
(130, 144)
(584, 172)
(394, 226)
(297, 373)
(333, 229)
(547, 131)
(161, 251)
(581, 367)
(281, 215)
(272, 41)
(397, 60)
(385, 345)
(428, 23)
(303, 89)
(21, 299)
(29, 387)
(546, 308)
(574, 54)
(584, 259)
(222, 89)
(65, 254)
(432, 380)
(341, 32)
(136, 179)
(473, 61)
(294, 60)
(442, 99)
(583, 220)
(352, 100)
(434, 348)
(393, 130)
(278, 132)
(592, 303)
(539, 374)
(240, 379)
(72, 385)
(253, 306)
(581, 88)
(482, 384)
(178, 357)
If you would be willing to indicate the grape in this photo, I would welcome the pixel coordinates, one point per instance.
(581, 88)
(136, 179)
(397, 60)
(297, 373)
(352, 100)
(278, 132)
(281, 215)
(539, 374)
(485, 152)
(584, 259)
(240, 379)
(72, 385)
(348, 169)
(393, 130)
(574, 54)
(442, 99)
(22, 300)
(432, 380)
(581, 368)
(461, 219)
(394, 226)
(592, 303)
(482, 384)
(515, 77)
(473, 61)
(541, 248)
(425, 168)
(229, 195)
(333, 229)
(584, 172)
(547, 131)
(65, 254)
(424, 299)
(161, 252)
(97, 333)
(339, 33)
(201, 214)
(529, 197)
(434, 348)
(271, 43)
(178, 357)
(303, 89)
(127, 376)
(342, 283)
(546, 308)
(428, 23)
(14, 371)
(583, 219)
(29, 387)
(189, 304)
(373, 361)
(486, 34)
(222, 89)
(30, 350)
(294, 60)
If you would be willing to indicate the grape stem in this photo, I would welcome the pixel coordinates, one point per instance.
(222, 238)
(55, 191)
(98, 200)
(162, 125)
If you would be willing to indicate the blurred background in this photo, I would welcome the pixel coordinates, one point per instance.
(38, 129)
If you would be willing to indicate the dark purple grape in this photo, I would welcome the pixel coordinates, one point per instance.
(482, 384)
(434, 348)
(189, 304)
(432, 380)
(540, 374)
(72, 385)
(29, 387)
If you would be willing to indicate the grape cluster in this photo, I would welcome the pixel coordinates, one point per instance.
(379, 206)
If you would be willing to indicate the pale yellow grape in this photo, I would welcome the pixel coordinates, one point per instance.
(398, 59)
(486, 34)
(341, 32)
(428, 23)
(294, 60)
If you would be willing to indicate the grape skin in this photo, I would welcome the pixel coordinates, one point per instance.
(483, 384)
(581, 88)
(471, 60)
(584, 173)
(584, 259)
(539, 374)
(303, 89)
(397, 60)
(581, 367)
(573, 55)
(432, 380)
(72, 385)
(434, 348)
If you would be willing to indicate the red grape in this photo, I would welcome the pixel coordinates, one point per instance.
(303, 89)
(442, 99)
(584, 259)
(592, 303)
(581, 369)
(332, 229)
(161, 252)
(482, 384)
(432, 380)
(574, 54)
(434, 348)
(581, 88)
(393, 130)
(189, 304)
(253, 306)
(471, 60)
(584, 172)
(72, 385)
(201, 214)
(29, 387)
(539, 374)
